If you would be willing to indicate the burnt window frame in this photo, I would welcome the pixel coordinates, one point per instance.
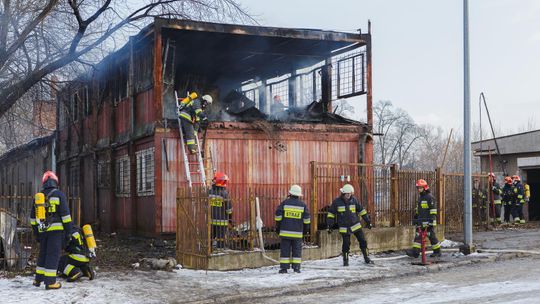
(146, 172)
(122, 176)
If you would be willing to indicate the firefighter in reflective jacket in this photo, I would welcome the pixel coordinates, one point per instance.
(191, 114)
(292, 220)
(76, 263)
(519, 200)
(508, 198)
(221, 209)
(425, 217)
(479, 202)
(346, 211)
(497, 196)
(50, 220)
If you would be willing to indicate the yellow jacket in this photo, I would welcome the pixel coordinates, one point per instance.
(527, 190)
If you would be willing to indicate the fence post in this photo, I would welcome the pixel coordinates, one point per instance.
(440, 195)
(394, 205)
(314, 203)
(252, 219)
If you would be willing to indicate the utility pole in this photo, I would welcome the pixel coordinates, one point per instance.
(468, 246)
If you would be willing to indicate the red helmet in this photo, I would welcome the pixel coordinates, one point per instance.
(220, 179)
(47, 175)
(508, 179)
(516, 178)
(422, 183)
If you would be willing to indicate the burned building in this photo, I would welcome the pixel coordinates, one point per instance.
(118, 139)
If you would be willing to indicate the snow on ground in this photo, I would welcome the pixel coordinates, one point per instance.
(185, 285)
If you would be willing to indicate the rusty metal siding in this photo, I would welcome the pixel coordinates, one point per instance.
(144, 113)
(123, 116)
(104, 121)
(87, 194)
(254, 161)
(172, 176)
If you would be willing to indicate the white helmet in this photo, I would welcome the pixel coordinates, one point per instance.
(347, 188)
(207, 98)
(295, 190)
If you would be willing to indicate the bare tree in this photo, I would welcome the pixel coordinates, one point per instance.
(39, 37)
(398, 134)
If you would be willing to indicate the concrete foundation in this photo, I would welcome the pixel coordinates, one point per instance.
(379, 239)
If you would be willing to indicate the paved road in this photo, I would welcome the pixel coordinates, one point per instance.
(510, 281)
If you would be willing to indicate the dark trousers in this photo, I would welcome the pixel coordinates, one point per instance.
(507, 212)
(190, 130)
(218, 235)
(50, 247)
(287, 247)
(435, 245)
(516, 210)
(498, 212)
(69, 267)
(346, 245)
(519, 211)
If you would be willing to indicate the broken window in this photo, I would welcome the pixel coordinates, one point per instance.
(349, 74)
(145, 172)
(103, 174)
(122, 176)
(120, 82)
(143, 68)
(279, 90)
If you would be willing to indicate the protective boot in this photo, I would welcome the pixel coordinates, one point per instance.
(413, 253)
(436, 253)
(36, 283)
(365, 253)
(345, 259)
(56, 285)
(282, 271)
(296, 269)
(75, 277)
(89, 273)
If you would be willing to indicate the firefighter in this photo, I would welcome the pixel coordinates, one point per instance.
(496, 192)
(292, 220)
(426, 218)
(191, 114)
(346, 211)
(221, 209)
(527, 191)
(508, 198)
(479, 202)
(76, 262)
(51, 223)
(519, 200)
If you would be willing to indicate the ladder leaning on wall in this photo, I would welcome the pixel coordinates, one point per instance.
(193, 163)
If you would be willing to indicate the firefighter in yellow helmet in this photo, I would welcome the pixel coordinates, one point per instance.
(191, 113)
(292, 221)
(426, 218)
(51, 222)
(346, 212)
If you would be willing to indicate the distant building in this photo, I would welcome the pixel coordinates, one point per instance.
(519, 154)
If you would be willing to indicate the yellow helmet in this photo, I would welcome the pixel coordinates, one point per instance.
(347, 188)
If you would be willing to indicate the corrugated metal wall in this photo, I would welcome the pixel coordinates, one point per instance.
(253, 158)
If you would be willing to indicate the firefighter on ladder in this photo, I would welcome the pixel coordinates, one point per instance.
(497, 196)
(519, 200)
(508, 198)
(292, 221)
(191, 113)
(221, 209)
(346, 211)
(425, 218)
(51, 223)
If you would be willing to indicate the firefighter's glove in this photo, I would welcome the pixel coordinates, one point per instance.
(67, 239)
(204, 122)
(329, 230)
(369, 226)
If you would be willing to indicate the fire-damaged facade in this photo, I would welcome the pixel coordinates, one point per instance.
(118, 139)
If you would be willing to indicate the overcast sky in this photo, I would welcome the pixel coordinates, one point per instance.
(418, 52)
